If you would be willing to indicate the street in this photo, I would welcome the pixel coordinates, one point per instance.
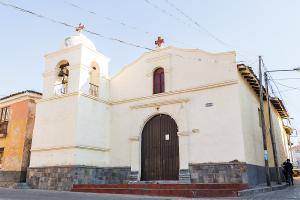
(10, 194)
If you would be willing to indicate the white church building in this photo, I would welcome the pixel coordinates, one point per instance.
(182, 115)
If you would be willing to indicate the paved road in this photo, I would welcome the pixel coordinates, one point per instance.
(10, 194)
(292, 192)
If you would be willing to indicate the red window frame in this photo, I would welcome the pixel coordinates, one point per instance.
(158, 81)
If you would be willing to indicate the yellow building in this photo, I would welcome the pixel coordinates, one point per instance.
(17, 114)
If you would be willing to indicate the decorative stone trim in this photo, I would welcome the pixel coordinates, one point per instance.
(161, 103)
(169, 93)
(58, 97)
(134, 138)
(184, 176)
(95, 98)
(183, 133)
(134, 177)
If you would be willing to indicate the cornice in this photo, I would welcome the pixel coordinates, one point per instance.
(19, 98)
(58, 97)
(169, 93)
(160, 103)
(165, 94)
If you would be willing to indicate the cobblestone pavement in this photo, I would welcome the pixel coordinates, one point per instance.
(10, 194)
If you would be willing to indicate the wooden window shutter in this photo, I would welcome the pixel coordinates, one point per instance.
(158, 81)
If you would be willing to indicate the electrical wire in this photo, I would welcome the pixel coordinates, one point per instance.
(106, 37)
(199, 27)
(71, 26)
(122, 23)
(274, 82)
(294, 88)
(197, 24)
(282, 79)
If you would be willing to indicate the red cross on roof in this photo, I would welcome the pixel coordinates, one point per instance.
(80, 27)
(159, 41)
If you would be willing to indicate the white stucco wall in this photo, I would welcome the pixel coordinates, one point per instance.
(191, 81)
(73, 128)
(184, 69)
(253, 142)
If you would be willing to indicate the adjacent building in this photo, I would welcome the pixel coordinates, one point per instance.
(17, 115)
(173, 114)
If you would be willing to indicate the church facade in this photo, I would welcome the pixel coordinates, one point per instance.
(182, 115)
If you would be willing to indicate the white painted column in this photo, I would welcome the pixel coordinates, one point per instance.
(183, 138)
(134, 158)
(184, 172)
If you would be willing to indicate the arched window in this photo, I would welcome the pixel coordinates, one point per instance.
(61, 84)
(158, 81)
(94, 80)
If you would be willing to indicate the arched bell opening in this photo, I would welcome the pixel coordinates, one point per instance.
(62, 78)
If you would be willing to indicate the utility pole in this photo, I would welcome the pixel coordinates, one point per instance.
(274, 148)
(263, 125)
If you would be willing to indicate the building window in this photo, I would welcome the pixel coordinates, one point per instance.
(158, 81)
(61, 84)
(4, 118)
(259, 117)
(1, 156)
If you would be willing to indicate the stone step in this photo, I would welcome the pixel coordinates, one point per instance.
(6, 184)
(163, 186)
(20, 186)
(163, 192)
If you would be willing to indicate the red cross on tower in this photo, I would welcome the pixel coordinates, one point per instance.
(80, 28)
(159, 41)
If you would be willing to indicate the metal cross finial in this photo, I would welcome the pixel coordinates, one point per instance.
(159, 41)
(80, 28)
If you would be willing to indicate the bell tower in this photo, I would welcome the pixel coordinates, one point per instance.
(72, 118)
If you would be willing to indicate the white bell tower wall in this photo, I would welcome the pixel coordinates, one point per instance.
(72, 128)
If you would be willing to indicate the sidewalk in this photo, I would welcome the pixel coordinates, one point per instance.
(290, 192)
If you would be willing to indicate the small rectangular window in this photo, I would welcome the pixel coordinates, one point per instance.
(4, 118)
(259, 117)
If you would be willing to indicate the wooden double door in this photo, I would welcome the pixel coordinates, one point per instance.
(160, 149)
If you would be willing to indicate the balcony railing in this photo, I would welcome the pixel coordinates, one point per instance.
(60, 89)
(3, 128)
(94, 90)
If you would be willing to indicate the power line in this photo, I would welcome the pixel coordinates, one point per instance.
(71, 26)
(199, 27)
(102, 36)
(131, 26)
(282, 79)
(122, 23)
(274, 82)
(294, 88)
(197, 24)
(167, 13)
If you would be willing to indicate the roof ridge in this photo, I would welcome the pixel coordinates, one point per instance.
(22, 92)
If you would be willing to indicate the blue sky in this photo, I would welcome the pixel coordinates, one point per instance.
(251, 27)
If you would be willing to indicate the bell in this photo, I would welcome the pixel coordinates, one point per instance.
(64, 81)
(61, 73)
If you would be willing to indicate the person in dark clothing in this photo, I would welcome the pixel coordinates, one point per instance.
(288, 171)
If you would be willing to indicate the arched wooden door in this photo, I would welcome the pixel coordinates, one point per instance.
(160, 149)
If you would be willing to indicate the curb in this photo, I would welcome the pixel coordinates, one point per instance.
(253, 191)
